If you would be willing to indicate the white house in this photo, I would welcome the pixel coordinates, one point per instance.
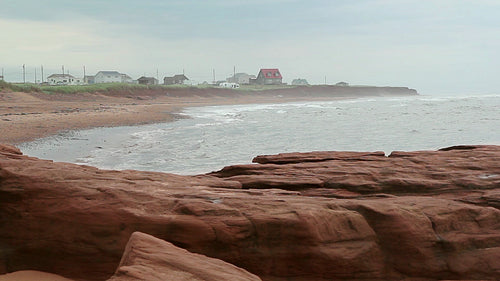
(112, 77)
(63, 79)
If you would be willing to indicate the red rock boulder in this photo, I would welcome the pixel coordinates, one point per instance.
(152, 259)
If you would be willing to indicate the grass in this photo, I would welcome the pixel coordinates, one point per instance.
(113, 87)
(28, 88)
(93, 88)
(264, 87)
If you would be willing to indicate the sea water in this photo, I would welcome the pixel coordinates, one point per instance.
(216, 136)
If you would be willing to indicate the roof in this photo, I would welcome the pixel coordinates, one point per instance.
(61, 76)
(146, 78)
(271, 73)
(180, 77)
(109, 72)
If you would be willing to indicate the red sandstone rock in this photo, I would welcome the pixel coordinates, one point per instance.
(149, 258)
(428, 215)
(424, 172)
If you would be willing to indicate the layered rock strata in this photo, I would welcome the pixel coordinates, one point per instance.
(152, 259)
(429, 215)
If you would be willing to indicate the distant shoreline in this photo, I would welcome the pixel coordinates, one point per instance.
(26, 117)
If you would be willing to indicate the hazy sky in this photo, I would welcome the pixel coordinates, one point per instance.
(434, 46)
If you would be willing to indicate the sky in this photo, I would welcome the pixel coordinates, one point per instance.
(433, 46)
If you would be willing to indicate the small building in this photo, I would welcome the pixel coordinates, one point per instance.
(175, 80)
(128, 79)
(342, 84)
(89, 79)
(112, 77)
(63, 79)
(268, 76)
(229, 85)
(300, 82)
(147, 81)
(240, 78)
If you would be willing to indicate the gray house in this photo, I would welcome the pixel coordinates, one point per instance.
(112, 77)
(268, 76)
(299, 82)
(176, 79)
(147, 81)
(240, 78)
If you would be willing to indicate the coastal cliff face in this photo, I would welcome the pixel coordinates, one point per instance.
(428, 215)
(296, 91)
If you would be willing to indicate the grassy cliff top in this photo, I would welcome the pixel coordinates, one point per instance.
(113, 87)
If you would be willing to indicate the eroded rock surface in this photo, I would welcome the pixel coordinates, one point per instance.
(430, 215)
(152, 259)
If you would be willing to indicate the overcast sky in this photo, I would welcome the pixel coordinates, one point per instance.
(434, 46)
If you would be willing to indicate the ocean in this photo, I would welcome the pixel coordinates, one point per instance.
(217, 136)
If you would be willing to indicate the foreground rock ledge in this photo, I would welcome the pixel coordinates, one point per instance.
(149, 258)
(429, 215)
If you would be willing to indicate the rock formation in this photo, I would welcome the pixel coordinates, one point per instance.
(428, 215)
(152, 259)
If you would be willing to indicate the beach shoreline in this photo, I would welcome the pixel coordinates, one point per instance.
(26, 117)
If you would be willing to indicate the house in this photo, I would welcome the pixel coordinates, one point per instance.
(127, 79)
(63, 79)
(342, 84)
(176, 79)
(268, 76)
(300, 82)
(112, 77)
(148, 80)
(89, 79)
(240, 78)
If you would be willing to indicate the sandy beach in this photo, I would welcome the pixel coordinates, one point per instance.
(29, 116)
(26, 117)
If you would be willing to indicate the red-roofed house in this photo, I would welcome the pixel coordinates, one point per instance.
(268, 76)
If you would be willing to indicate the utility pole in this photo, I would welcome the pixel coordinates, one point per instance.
(234, 74)
(213, 70)
(35, 75)
(84, 73)
(325, 79)
(3, 77)
(157, 76)
(42, 72)
(24, 74)
(63, 70)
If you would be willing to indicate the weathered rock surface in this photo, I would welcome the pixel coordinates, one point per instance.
(430, 215)
(152, 259)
